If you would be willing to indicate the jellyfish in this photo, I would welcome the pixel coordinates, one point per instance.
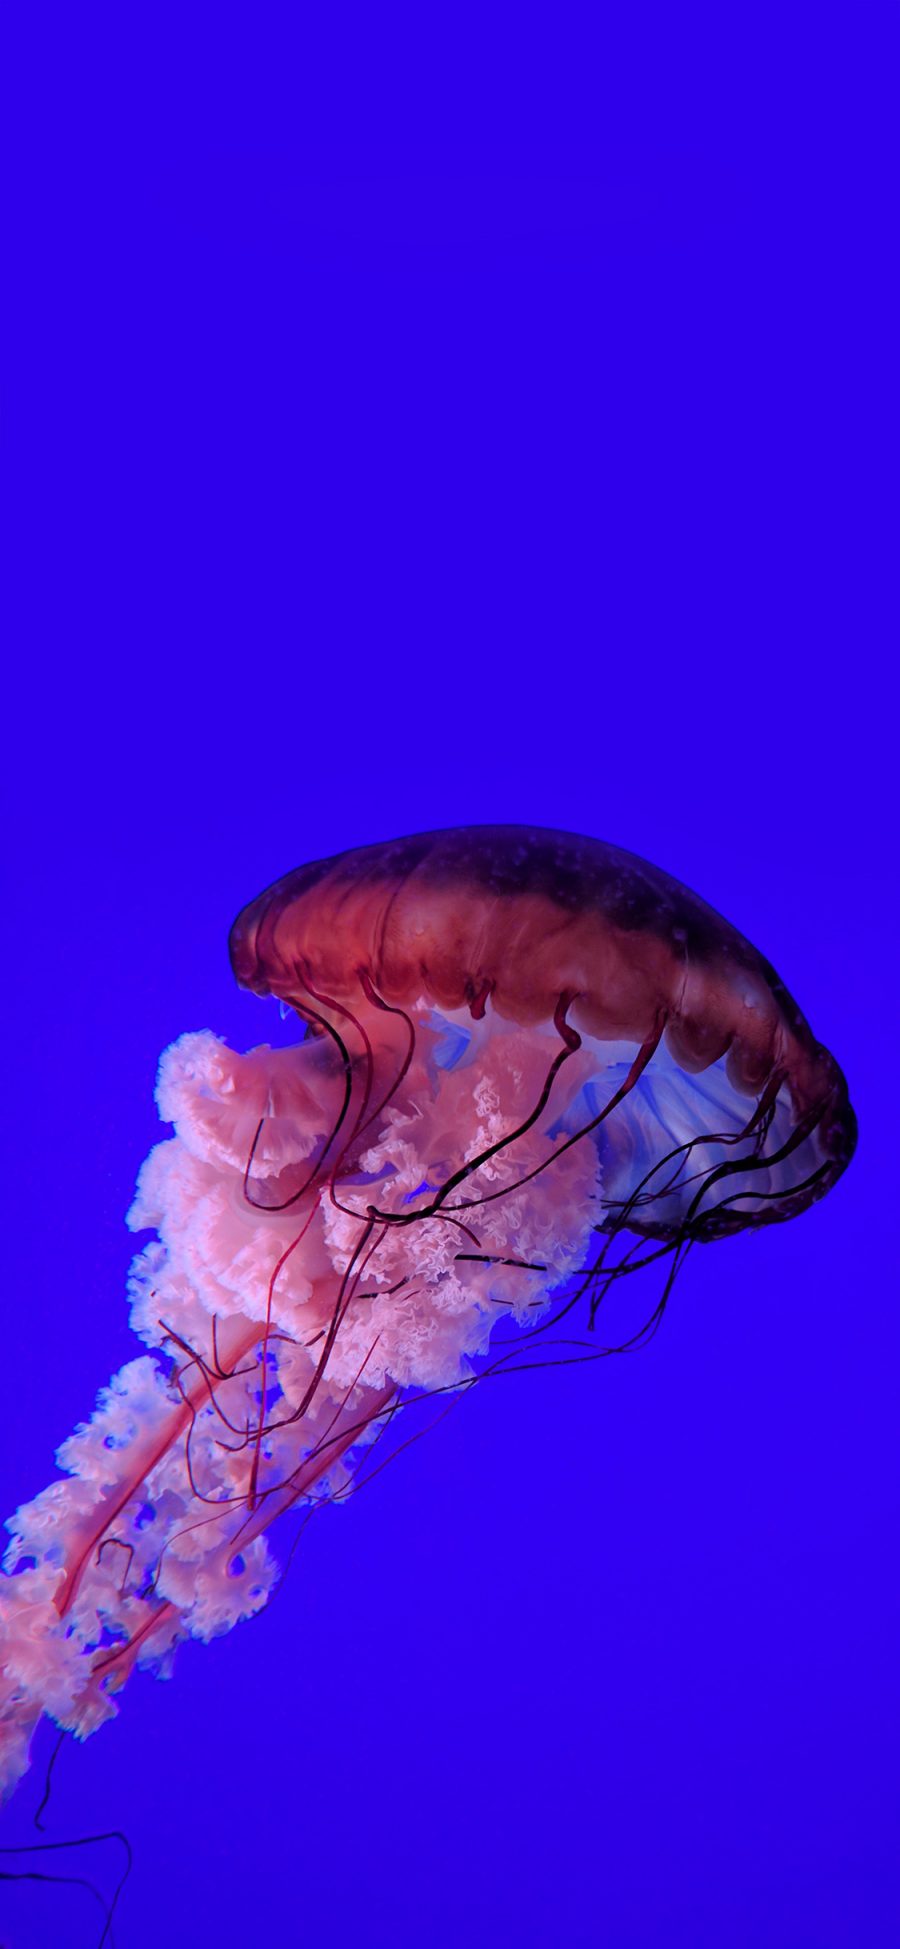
(528, 1066)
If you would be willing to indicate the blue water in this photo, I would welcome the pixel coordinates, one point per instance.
(486, 495)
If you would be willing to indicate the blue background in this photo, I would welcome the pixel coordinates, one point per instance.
(356, 493)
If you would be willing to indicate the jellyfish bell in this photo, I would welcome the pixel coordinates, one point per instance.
(534, 1058)
(535, 921)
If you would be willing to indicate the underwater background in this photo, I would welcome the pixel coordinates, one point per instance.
(358, 491)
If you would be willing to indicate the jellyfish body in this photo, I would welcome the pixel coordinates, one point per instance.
(544, 922)
(534, 1058)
